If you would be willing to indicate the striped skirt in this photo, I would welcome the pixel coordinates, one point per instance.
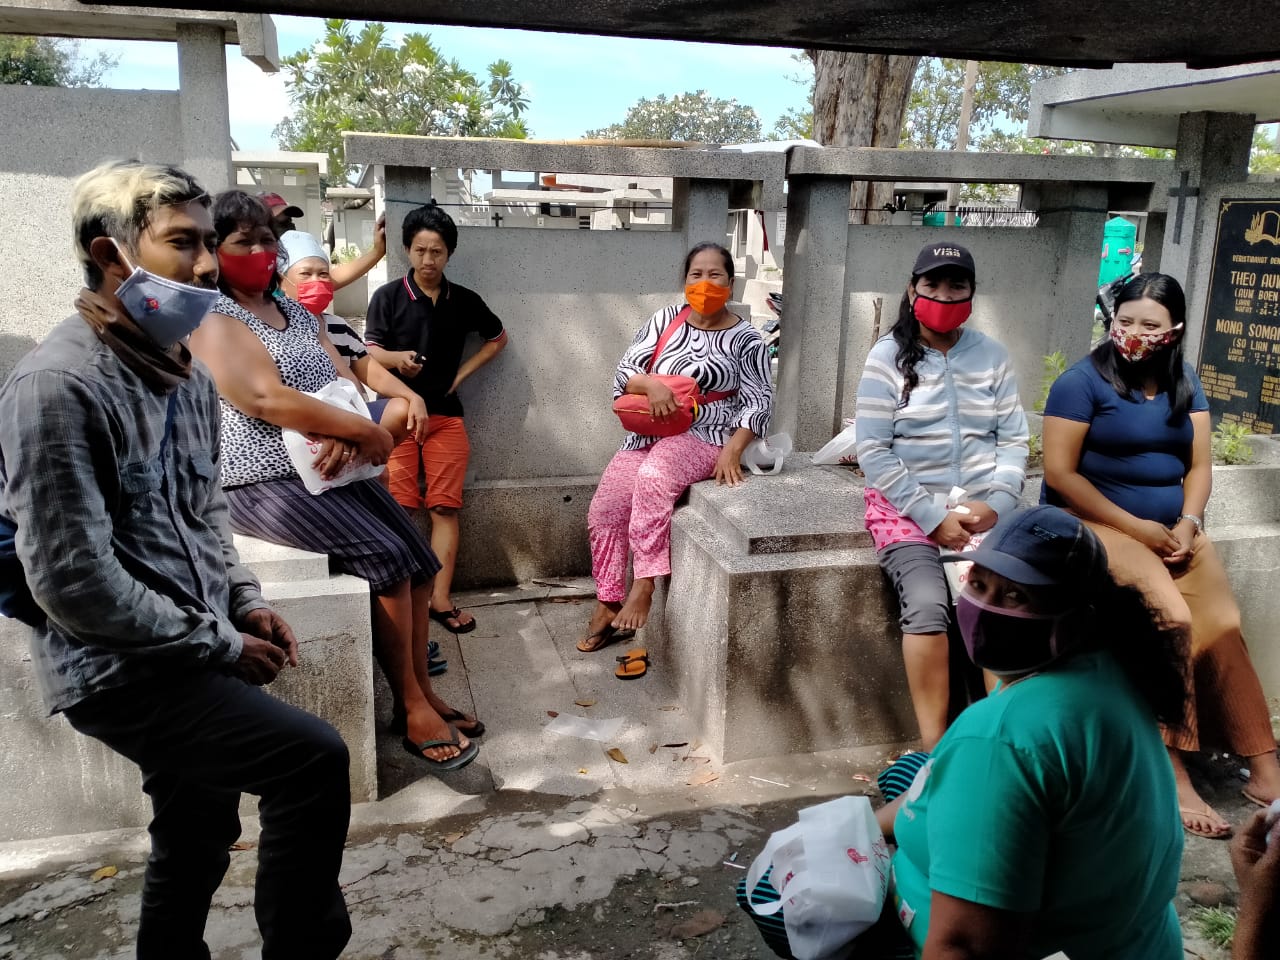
(362, 529)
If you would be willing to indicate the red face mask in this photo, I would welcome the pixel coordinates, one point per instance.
(248, 272)
(941, 316)
(315, 295)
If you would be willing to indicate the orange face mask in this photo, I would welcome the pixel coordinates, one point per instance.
(706, 297)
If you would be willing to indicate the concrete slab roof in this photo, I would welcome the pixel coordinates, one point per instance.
(1140, 103)
(1076, 32)
(254, 33)
(281, 159)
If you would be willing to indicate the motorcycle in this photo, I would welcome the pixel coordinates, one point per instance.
(1104, 310)
(772, 330)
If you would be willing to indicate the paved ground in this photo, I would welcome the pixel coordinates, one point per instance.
(545, 848)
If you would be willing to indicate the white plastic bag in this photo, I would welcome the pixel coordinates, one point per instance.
(957, 571)
(339, 393)
(765, 457)
(842, 448)
(831, 871)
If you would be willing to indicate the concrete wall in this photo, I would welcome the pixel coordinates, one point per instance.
(75, 130)
(571, 301)
(1018, 302)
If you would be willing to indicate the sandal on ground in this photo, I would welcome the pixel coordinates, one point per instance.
(458, 718)
(603, 637)
(437, 667)
(1187, 814)
(632, 665)
(1265, 804)
(453, 763)
(443, 617)
(433, 649)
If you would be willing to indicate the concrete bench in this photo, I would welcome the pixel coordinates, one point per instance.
(779, 631)
(58, 782)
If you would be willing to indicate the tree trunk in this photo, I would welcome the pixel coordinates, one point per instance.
(860, 100)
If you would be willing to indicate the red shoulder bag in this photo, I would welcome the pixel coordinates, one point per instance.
(633, 408)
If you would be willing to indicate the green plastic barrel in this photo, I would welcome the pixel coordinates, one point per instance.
(1119, 238)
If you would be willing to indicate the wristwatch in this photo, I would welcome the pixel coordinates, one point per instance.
(1195, 521)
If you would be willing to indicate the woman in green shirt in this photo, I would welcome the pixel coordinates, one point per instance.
(1047, 819)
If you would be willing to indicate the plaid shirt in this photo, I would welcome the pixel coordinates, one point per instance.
(131, 558)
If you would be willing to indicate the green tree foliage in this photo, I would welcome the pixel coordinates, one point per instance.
(1265, 157)
(1001, 99)
(693, 117)
(45, 62)
(362, 81)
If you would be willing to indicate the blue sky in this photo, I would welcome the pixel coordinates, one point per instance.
(574, 83)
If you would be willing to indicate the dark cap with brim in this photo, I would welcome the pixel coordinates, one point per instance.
(1041, 546)
(936, 256)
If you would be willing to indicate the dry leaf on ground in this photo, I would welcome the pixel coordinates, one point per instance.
(103, 873)
(582, 770)
(585, 703)
(698, 759)
(616, 755)
(862, 776)
(670, 706)
(563, 600)
(452, 838)
(674, 745)
(653, 748)
(702, 922)
(702, 779)
(553, 714)
(243, 845)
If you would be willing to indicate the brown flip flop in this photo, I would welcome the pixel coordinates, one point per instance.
(606, 636)
(1206, 814)
(632, 665)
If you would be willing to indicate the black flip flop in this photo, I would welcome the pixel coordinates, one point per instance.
(457, 716)
(453, 763)
(443, 617)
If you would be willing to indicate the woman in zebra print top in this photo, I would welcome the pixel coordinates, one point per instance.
(631, 510)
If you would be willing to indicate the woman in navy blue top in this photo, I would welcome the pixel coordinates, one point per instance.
(1127, 449)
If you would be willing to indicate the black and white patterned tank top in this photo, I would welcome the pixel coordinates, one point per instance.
(252, 449)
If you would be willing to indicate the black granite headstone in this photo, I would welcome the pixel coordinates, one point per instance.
(1240, 352)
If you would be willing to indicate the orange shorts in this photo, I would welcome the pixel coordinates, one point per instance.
(441, 458)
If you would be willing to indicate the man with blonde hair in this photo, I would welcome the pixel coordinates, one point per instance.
(149, 635)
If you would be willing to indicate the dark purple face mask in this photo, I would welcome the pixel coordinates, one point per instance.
(1007, 642)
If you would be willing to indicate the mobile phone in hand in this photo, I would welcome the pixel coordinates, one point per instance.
(419, 358)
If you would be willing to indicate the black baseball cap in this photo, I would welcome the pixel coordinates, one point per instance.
(1041, 546)
(934, 256)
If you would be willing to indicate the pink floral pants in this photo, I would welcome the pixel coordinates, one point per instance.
(632, 509)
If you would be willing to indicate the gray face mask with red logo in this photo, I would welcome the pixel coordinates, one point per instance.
(165, 310)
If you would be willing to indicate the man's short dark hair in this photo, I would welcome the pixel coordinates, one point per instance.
(430, 217)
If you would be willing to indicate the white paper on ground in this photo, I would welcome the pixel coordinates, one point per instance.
(584, 728)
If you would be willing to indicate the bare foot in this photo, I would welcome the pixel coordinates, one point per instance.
(635, 612)
(600, 629)
(425, 724)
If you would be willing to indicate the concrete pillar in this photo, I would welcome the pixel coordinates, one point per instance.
(206, 118)
(811, 381)
(1076, 213)
(1213, 148)
(707, 212)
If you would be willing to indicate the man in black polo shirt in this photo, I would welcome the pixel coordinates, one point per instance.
(416, 327)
